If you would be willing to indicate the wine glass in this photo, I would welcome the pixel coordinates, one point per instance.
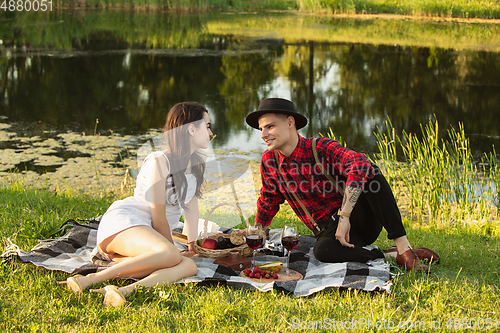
(254, 238)
(289, 239)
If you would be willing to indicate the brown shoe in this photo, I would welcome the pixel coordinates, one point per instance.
(410, 260)
(392, 249)
(427, 254)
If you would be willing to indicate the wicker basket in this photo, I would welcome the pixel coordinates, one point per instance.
(214, 254)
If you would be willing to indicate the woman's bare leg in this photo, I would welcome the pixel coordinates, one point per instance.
(147, 251)
(184, 269)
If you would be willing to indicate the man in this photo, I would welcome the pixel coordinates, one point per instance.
(343, 223)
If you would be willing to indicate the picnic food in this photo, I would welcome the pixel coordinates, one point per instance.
(209, 243)
(258, 273)
(254, 241)
(221, 252)
(224, 243)
(272, 266)
(237, 237)
(234, 260)
(290, 242)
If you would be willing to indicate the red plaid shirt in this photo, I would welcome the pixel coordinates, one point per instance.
(316, 192)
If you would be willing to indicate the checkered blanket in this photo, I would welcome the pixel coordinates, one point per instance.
(74, 253)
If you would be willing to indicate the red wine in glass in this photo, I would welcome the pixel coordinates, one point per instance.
(289, 239)
(254, 238)
(254, 241)
(290, 242)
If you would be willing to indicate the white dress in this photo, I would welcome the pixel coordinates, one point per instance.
(135, 210)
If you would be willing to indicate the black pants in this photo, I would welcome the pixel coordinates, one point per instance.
(375, 208)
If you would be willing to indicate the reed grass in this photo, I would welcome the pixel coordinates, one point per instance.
(180, 5)
(466, 9)
(439, 181)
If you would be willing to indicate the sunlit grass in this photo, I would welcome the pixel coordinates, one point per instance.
(461, 286)
(464, 285)
(439, 182)
(182, 5)
(62, 31)
(437, 8)
(366, 30)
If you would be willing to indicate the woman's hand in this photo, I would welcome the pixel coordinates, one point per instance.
(191, 251)
(188, 253)
(343, 229)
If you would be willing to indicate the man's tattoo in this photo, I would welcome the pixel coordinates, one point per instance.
(356, 192)
(343, 202)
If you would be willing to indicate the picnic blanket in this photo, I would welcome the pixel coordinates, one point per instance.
(74, 253)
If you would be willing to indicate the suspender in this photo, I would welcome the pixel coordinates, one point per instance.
(295, 195)
(330, 178)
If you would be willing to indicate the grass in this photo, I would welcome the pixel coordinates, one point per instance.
(367, 30)
(464, 285)
(436, 8)
(484, 9)
(181, 5)
(64, 30)
(439, 181)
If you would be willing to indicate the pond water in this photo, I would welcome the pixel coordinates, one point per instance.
(61, 71)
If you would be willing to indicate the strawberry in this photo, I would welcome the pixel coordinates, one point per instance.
(251, 275)
(247, 271)
(268, 276)
(256, 269)
(257, 275)
(275, 276)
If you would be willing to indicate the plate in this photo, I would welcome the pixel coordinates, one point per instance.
(281, 277)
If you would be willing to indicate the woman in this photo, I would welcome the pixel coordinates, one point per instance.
(136, 232)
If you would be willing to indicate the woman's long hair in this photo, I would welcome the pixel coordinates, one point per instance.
(178, 150)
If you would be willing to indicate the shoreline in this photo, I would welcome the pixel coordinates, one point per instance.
(362, 16)
(477, 11)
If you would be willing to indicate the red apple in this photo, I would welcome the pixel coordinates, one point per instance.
(209, 243)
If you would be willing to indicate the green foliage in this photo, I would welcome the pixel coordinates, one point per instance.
(437, 8)
(466, 9)
(331, 135)
(180, 5)
(461, 286)
(366, 30)
(439, 181)
(67, 30)
(29, 213)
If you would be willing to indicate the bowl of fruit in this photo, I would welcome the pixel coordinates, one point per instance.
(220, 244)
(265, 271)
(269, 272)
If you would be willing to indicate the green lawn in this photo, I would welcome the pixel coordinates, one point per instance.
(464, 285)
(483, 9)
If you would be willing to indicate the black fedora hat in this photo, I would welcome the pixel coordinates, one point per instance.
(276, 105)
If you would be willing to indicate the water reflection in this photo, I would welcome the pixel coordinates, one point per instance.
(130, 80)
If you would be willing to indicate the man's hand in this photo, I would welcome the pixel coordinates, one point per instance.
(343, 229)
